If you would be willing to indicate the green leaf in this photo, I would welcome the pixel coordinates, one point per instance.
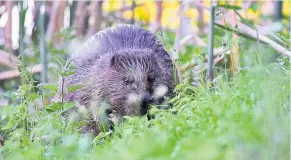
(255, 6)
(9, 125)
(63, 73)
(50, 87)
(67, 73)
(54, 107)
(128, 118)
(67, 106)
(100, 136)
(80, 124)
(74, 88)
(230, 6)
(57, 51)
(72, 37)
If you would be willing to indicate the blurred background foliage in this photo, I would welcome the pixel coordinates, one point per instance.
(147, 10)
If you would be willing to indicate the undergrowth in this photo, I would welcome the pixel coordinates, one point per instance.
(242, 117)
(245, 117)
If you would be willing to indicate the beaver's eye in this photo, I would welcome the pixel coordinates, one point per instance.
(128, 80)
(151, 79)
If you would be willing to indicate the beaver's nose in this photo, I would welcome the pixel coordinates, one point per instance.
(145, 101)
(146, 98)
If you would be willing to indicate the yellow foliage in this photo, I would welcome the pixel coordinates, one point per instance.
(170, 19)
(286, 7)
(170, 14)
(111, 5)
(251, 15)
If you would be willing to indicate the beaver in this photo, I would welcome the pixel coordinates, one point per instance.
(124, 67)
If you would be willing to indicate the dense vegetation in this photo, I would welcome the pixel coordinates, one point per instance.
(244, 115)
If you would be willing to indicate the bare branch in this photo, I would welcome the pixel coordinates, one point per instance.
(201, 68)
(8, 60)
(198, 41)
(218, 52)
(13, 74)
(244, 30)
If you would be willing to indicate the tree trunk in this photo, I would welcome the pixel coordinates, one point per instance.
(53, 18)
(72, 13)
(98, 18)
(80, 17)
(7, 29)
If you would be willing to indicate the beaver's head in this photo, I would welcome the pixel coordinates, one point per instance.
(132, 81)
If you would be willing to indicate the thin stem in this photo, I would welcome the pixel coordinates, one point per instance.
(132, 9)
(210, 45)
(62, 94)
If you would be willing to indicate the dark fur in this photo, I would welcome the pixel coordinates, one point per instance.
(116, 62)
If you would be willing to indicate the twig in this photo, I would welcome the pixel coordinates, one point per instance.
(217, 52)
(13, 74)
(203, 67)
(198, 41)
(8, 60)
(248, 32)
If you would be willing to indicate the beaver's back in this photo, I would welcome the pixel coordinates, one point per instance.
(121, 37)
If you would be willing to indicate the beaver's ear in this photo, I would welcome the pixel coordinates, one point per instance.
(117, 62)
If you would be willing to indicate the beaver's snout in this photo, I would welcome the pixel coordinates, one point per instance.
(145, 102)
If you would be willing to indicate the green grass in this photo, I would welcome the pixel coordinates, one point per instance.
(246, 117)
